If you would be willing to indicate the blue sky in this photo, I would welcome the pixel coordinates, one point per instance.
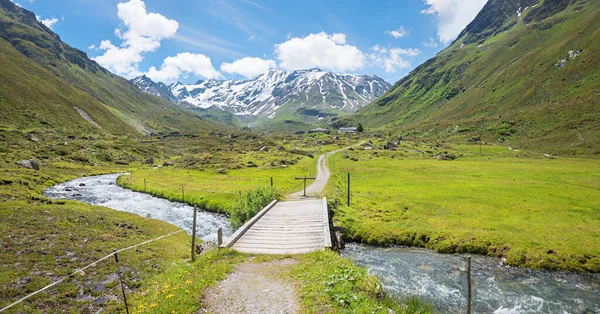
(188, 40)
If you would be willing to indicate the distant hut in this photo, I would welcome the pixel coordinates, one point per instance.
(319, 130)
(347, 130)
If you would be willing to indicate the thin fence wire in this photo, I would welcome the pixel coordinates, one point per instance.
(81, 270)
(187, 188)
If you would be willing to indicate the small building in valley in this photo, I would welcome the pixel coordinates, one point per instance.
(347, 130)
(319, 130)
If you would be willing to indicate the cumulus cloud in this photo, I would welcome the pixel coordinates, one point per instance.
(452, 15)
(142, 34)
(248, 67)
(319, 50)
(48, 22)
(391, 59)
(398, 33)
(181, 65)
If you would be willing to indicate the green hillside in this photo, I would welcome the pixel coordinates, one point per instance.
(46, 84)
(502, 81)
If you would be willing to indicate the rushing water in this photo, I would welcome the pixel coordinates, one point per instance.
(441, 279)
(103, 190)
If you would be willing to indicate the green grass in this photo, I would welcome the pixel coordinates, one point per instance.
(324, 282)
(180, 289)
(208, 188)
(511, 78)
(534, 211)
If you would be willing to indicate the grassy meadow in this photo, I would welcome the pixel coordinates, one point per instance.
(533, 211)
(215, 181)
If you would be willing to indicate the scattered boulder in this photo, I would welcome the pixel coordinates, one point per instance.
(71, 137)
(149, 161)
(371, 143)
(263, 149)
(281, 148)
(32, 138)
(346, 155)
(29, 164)
(368, 148)
(251, 164)
(168, 163)
(336, 138)
(354, 159)
(81, 184)
(221, 171)
(391, 146)
(121, 162)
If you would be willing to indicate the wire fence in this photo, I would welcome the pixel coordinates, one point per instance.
(81, 272)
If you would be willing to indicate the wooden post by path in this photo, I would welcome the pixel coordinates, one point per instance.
(182, 195)
(469, 285)
(194, 234)
(304, 178)
(144, 184)
(348, 188)
(271, 182)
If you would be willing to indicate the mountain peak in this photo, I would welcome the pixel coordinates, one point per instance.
(312, 91)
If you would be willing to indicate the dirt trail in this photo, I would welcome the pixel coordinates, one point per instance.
(254, 288)
(322, 177)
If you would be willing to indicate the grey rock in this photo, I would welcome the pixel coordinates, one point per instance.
(32, 138)
(29, 164)
(121, 162)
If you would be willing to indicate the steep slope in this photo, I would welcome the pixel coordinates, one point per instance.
(306, 96)
(523, 72)
(44, 79)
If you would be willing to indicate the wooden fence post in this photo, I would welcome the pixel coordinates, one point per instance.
(219, 238)
(144, 184)
(194, 235)
(121, 279)
(271, 182)
(348, 188)
(182, 195)
(469, 285)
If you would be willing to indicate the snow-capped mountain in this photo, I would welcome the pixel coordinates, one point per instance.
(314, 93)
(159, 89)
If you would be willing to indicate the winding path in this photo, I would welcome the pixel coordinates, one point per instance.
(323, 174)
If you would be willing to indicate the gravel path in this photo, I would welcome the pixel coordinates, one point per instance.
(254, 288)
(322, 177)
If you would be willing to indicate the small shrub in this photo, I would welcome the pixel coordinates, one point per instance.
(250, 204)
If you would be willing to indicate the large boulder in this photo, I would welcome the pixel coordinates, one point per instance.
(29, 164)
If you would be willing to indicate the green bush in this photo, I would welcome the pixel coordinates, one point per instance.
(250, 204)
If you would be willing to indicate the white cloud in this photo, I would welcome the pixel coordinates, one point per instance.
(181, 65)
(48, 22)
(251, 38)
(319, 50)
(453, 15)
(391, 59)
(92, 47)
(398, 33)
(143, 33)
(431, 43)
(248, 67)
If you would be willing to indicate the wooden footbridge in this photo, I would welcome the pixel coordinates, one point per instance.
(292, 227)
(285, 228)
